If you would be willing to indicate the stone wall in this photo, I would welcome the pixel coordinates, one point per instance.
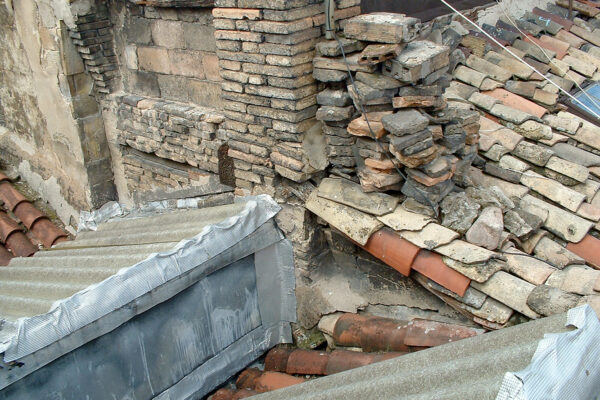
(167, 53)
(53, 133)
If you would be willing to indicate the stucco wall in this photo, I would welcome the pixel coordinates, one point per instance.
(41, 137)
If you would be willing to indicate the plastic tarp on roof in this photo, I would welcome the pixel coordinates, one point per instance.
(173, 326)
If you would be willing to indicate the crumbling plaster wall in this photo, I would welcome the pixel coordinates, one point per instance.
(42, 137)
(514, 8)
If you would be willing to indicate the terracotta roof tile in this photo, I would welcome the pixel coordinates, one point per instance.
(19, 245)
(222, 394)
(28, 214)
(588, 249)
(10, 196)
(277, 358)
(5, 256)
(431, 265)
(390, 248)
(307, 362)
(551, 43)
(341, 360)
(517, 102)
(247, 378)
(7, 226)
(424, 333)
(243, 394)
(556, 18)
(4, 178)
(47, 232)
(270, 381)
(370, 333)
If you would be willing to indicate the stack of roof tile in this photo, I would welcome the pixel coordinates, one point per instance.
(15, 242)
(520, 236)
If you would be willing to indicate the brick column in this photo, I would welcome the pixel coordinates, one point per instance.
(266, 49)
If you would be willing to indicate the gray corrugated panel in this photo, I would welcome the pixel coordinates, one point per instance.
(472, 368)
(77, 261)
(102, 251)
(13, 307)
(41, 291)
(96, 255)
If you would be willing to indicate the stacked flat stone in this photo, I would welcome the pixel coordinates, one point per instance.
(398, 82)
(172, 131)
(265, 51)
(94, 40)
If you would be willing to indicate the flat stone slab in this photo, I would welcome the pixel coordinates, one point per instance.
(405, 122)
(509, 290)
(351, 194)
(355, 224)
(403, 220)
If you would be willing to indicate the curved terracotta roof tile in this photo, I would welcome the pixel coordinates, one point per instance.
(370, 333)
(432, 266)
(10, 196)
(390, 248)
(5, 256)
(28, 214)
(277, 358)
(19, 245)
(4, 178)
(588, 249)
(47, 232)
(247, 378)
(270, 381)
(307, 362)
(7, 226)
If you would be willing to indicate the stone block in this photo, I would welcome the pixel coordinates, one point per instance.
(138, 30)
(382, 28)
(199, 37)
(186, 63)
(168, 34)
(154, 59)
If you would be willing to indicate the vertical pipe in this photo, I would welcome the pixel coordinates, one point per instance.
(329, 21)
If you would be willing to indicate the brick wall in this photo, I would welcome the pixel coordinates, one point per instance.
(167, 53)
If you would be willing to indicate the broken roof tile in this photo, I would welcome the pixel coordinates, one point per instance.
(432, 266)
(506, 137)
(355, 224)
(431, 236)
(478, 272)
(527, 267)
(562, 223)
(351, 194)
(465, 252)
(553, 190)
(510, 290)
(517, 102)
(401, 220)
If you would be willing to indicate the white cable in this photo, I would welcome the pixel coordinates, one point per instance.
(519, 58)
(514, 24)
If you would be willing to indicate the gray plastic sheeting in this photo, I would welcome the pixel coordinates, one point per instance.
(565, 365)
(246, 312)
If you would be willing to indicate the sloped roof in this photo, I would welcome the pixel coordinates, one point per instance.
(537, 162)
(30, 285)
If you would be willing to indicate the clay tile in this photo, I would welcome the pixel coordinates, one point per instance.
(222, 394)
(7, 226)
(588, 249)
(426, 333)
(5, 256)
(4, 178)
(553, 17)
(559, 50)
(343, 360)
(47, 232)
(517, 102)
(247, 378)
(277, 359)
(370, 333)
(243, 394)
(431, 265)
(307, 362)
(269, 381)
(19, 245)
(27, 213)
(390, 248)
(10, 196)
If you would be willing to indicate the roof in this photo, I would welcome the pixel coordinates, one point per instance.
(38, 230)
(29, 286)
(513, 175)
(471, 368)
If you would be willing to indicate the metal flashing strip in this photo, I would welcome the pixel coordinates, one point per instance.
(70, 315)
